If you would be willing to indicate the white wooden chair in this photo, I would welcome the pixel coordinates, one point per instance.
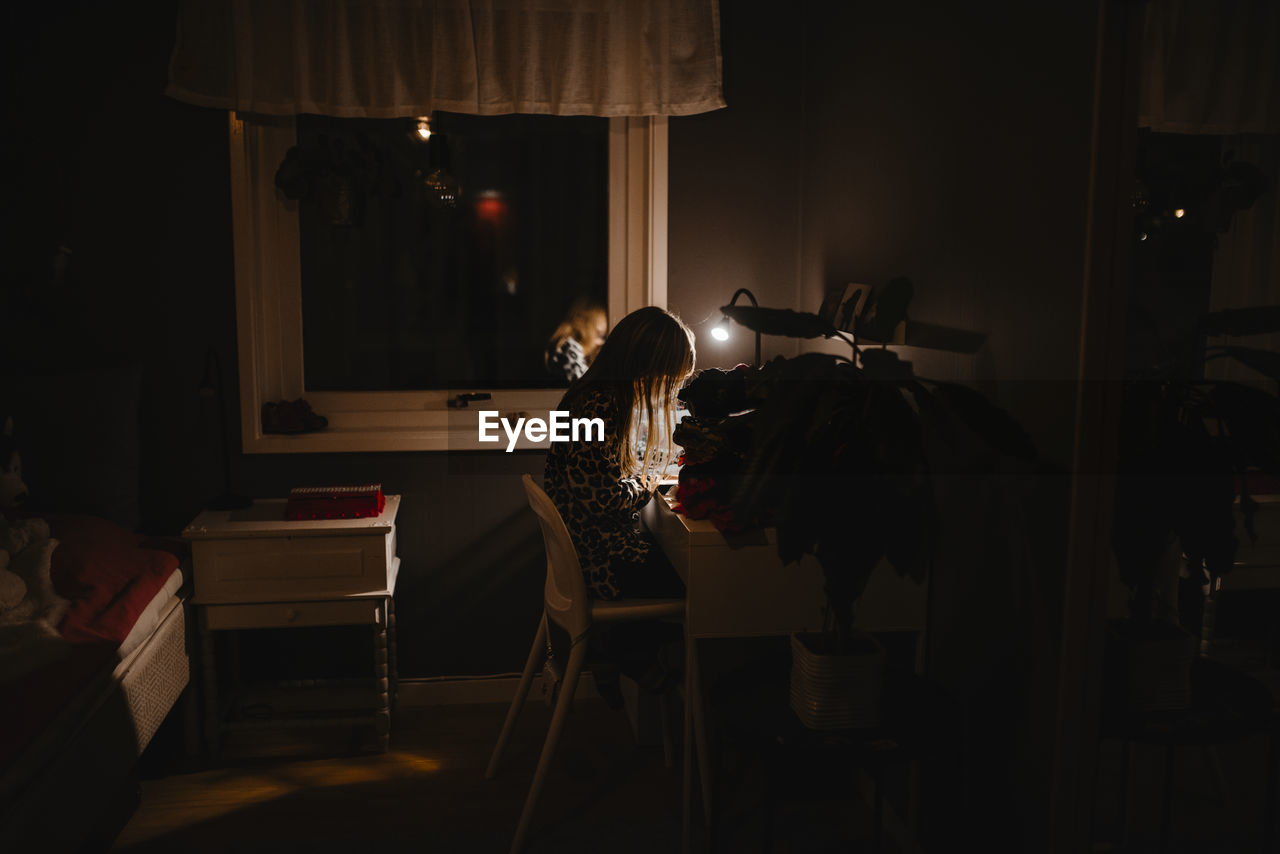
(567, 604)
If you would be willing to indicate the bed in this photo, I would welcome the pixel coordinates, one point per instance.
(72, 729)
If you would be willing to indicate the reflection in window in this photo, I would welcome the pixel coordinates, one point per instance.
(575, 342)
(447, 261)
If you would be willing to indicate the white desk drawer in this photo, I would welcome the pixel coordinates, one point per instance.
(274, 615)
(253, 570)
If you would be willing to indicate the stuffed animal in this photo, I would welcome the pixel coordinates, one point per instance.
(15, 534)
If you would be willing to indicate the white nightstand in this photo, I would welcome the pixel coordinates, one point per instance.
(255, 570)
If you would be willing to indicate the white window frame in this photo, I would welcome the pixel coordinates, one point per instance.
(269, 301)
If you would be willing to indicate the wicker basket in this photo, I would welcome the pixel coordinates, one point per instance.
(836, 691)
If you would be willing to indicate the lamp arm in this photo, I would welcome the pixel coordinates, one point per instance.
(734, 301)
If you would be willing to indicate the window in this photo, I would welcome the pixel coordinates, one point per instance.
(443, 256)
(298, 291)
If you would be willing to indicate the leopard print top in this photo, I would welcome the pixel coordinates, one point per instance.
(600, 507)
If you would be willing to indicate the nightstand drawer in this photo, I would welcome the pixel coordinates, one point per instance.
(254, 554)
(275, 615)
(254, 569)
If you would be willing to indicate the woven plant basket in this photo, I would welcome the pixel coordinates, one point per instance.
(836, 691)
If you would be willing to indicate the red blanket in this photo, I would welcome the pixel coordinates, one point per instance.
(110, 575)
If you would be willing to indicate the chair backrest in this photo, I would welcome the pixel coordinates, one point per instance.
(565, 593)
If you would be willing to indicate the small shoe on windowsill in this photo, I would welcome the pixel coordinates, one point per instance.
(310, 420)
(291, 417)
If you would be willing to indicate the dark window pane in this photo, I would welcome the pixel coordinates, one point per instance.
(447, 262)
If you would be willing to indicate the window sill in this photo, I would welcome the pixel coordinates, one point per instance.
(391, 421)
(355, 440)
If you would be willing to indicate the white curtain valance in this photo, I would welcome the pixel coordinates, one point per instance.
(1211, 66)
(393, 58)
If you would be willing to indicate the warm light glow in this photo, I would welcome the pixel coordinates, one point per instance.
(1142, 236)
(1180, 213)
(720, 333)
(424, 128)
(220, 792)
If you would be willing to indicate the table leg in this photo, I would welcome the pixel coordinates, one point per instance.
(381, 659)
(695, 739)
(690, 685)
(209, 685)
(391, 650)
(700, 735)
(191, 717)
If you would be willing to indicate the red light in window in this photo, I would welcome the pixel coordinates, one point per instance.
(491, 208)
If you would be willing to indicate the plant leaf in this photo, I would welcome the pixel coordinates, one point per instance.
(992, 424)
(885, 366)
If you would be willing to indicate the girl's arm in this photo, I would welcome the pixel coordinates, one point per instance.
(601, 482)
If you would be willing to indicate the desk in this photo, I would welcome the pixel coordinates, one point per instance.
(740, 588)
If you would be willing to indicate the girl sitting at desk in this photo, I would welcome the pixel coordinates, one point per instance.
(600, 486)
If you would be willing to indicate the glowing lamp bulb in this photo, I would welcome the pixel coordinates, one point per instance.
(1180, 213)
(720, 333)
(424, 128)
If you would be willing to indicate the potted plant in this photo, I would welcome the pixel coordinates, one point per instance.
(838, 458)
(1188, 446)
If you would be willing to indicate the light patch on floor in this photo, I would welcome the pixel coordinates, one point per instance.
(212, 794)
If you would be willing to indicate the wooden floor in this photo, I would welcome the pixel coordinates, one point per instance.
(604, 794)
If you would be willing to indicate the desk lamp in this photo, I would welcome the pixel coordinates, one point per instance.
(720, 331)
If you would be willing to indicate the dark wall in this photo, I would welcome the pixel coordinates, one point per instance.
(735, 184)
(948, 143)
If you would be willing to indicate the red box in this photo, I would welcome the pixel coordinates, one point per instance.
(334, 502)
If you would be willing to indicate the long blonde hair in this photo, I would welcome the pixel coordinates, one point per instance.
(582, 323)
(643, 364)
